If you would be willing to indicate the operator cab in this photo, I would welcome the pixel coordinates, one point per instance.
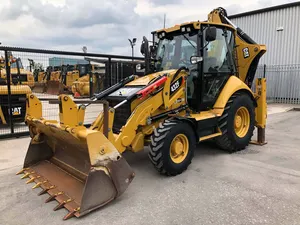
(83, 69)
(207, 51)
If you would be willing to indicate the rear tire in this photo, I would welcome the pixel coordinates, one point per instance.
(172, 147)
(236, 123)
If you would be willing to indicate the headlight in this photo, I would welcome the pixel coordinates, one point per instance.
(163, 34)
(138, 66)
(182, 29)
(188, 29)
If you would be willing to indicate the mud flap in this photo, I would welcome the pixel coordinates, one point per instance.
(79, 168)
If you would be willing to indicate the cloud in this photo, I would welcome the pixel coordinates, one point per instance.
(166, 2)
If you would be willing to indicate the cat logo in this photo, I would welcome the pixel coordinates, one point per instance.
(16, 111)
(246, 52)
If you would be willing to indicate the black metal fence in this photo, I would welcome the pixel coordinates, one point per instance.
(283, 83)
(48, 73)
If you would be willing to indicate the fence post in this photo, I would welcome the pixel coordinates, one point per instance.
(8, 80)
(109, 71)
(90, 70)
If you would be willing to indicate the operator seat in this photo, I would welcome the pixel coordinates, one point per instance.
(209, 62)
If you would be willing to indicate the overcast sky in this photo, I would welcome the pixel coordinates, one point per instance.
(104, 26)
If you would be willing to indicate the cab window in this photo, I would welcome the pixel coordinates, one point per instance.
(216, 53)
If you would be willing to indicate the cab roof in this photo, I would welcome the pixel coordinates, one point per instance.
(194, 24)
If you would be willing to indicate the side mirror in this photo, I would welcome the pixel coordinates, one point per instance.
(143, 48)
(211, 34)
(153, 50)
(196, 59)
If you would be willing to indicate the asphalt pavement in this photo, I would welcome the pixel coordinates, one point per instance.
(259, 185)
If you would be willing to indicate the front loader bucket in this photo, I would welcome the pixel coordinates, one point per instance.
(78, 167)
(54, 87)
(39, 88)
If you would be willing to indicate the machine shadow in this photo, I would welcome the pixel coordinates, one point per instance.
(140, 160)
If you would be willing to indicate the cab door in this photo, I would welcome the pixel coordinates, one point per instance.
(217, 66)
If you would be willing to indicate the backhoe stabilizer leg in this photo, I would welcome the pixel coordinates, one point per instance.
(261, 111)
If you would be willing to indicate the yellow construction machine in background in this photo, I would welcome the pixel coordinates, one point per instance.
(42, 80)
(18, 103)
(19, 75)
(197, 87)
(21, 82)
(58, 78)
(81, 87)
(66, 79)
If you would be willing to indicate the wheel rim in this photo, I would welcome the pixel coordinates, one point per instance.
(242, 122)
(179, 148)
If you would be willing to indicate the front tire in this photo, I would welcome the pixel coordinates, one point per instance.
(172, 147)
(237, 123)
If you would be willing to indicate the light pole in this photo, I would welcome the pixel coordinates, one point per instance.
(132, 44)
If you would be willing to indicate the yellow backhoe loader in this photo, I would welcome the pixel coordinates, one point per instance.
(43, 77)
(197, 87)
(18, 93)
(18, 103)
(81, 87)
(54, 84)
(18, 74)
(56, 80)
(61, 81)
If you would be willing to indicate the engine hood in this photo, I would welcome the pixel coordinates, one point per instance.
(15, 71)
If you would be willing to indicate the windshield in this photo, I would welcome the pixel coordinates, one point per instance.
(175, 51)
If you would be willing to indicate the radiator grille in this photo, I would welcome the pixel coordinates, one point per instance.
(121, 114)
(20, 78)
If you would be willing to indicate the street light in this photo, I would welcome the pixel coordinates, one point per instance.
(84, 49)
(132, 44)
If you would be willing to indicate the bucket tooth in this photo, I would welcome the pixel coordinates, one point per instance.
(32, 179)
(38, 184)
(71, 214)
(27, 175)
(52, 197)
(61, 205)
(44, 191)
(21, 171)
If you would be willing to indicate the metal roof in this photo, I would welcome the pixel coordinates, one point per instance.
(284, 6)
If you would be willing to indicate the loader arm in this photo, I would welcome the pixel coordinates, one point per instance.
(158, 99)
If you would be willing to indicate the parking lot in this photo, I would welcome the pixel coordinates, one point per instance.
(259, 185)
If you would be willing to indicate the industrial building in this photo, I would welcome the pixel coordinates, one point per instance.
(58, 61)
(277, 27)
